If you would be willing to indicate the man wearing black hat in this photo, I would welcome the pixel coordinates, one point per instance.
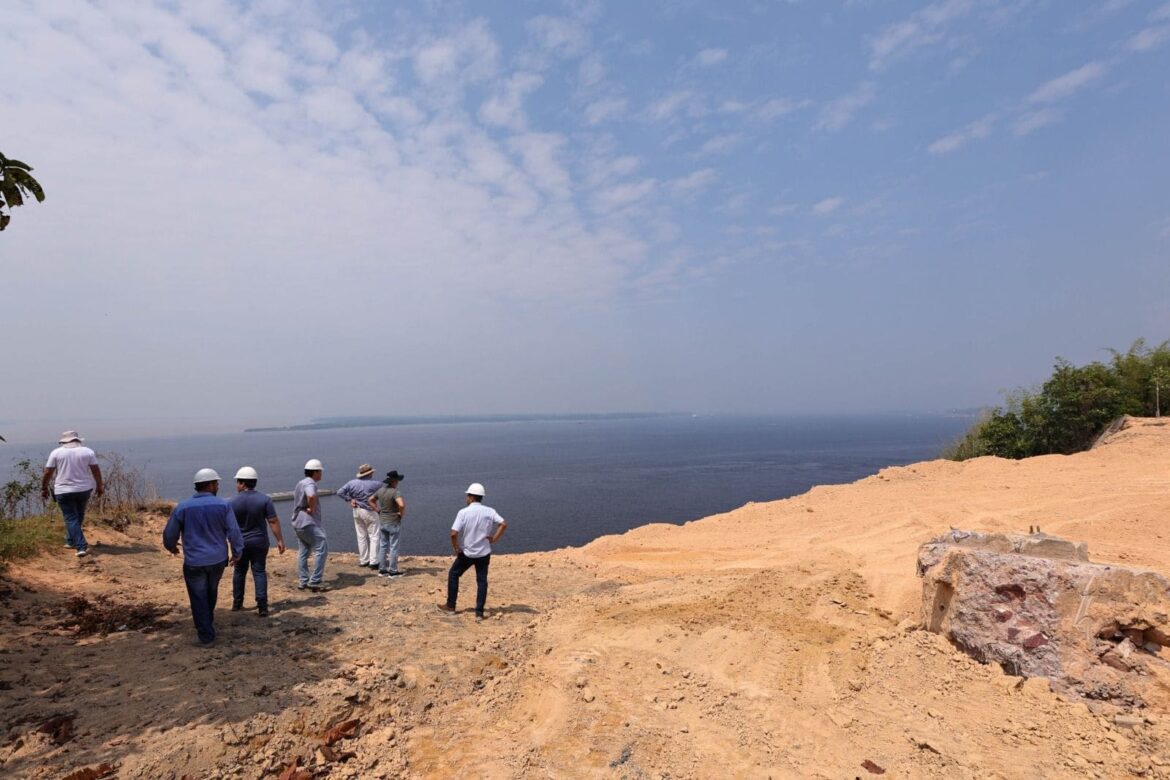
(387, 502)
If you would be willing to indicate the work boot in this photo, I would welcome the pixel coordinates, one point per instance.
(237, 605)
(262, 608)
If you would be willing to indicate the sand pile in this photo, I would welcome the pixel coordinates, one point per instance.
(776, 640)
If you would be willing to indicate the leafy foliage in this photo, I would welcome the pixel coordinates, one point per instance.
(16, 185)
(21, 495)
(1072, 407)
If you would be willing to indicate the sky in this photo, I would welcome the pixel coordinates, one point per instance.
(260, 213)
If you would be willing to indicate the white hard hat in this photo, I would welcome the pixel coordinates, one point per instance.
(314, 465)
(475, 489)
(247, 472)
(206, 475)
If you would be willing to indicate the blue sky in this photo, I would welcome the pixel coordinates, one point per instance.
(270, 211)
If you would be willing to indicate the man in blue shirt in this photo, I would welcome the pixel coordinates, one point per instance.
(205, 525)
(357, 494)
(310, 532)
(255, 514)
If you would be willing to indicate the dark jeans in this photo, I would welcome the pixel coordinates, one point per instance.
(255, 556)
(73, 507)
(463, 563)
(202, 589)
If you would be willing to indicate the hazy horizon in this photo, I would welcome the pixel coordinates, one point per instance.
(23, 433)
(261, 213)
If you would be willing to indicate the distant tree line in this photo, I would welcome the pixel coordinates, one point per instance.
(1073, 407)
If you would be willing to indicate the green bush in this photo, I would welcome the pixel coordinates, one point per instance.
(26, 536)
(1071, 409)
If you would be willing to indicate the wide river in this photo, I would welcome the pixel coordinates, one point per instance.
(557, 483)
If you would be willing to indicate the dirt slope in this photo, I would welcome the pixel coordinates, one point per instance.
(770, 641)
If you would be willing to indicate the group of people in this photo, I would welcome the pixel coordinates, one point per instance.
(214, 533)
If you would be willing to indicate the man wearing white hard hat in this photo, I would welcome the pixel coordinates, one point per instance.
(477, 527)
(206, 526)
(309, 530)
(75, 475)
(255, 515)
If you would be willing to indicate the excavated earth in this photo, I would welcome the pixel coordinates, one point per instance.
(778, 640)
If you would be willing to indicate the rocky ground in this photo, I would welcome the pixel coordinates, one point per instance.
(779, 640)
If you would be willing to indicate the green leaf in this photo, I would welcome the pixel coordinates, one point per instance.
(28, 183)
(11, 192)
(4, 220)
(10, 163)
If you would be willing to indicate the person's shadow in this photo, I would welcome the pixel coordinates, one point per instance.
(346, 579)
(514, 609)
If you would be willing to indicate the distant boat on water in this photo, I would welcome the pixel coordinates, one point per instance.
(286, 495)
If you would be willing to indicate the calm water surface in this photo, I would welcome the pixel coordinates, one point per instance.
(557, 483)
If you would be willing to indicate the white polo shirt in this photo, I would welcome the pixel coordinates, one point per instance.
(72, 462)
(474, 524)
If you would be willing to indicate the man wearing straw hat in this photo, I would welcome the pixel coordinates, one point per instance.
(75, 475)
(365, 520)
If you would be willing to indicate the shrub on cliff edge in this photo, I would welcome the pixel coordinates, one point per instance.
(1067, 413)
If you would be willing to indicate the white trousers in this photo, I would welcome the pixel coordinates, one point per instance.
(365, 525)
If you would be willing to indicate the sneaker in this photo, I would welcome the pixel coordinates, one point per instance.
(373, 566)
(445, 608)
(396, 574)
(320, 587)
(201, 643)
(479, 618)
(383, 573)
(82, 553)
(68, 546)
(302, 586)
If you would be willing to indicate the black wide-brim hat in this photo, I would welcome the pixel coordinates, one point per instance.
(395, 476)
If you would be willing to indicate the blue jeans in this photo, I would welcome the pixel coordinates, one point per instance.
(202, 590)
(255, 556)
(311, 539)
(462, 564)
(389, 535)
(73, 507)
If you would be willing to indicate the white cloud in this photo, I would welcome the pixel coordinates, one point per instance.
(1149, 39)
(827, 206)
(977, 130)
(1032, 121)
(539, 152)
(778, 107)
(922, 28)
(838, 113)
(666, 107)
(471, 54)
(506, 106)
(559, 35)
(1160, 14)
(623, 195)
(722, 144)
(708, 57)
(605, 109)
(1069, 84)
(694, 183)
(591, 70)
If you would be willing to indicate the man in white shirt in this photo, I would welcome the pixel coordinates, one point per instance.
(477, 527)
(75, 475)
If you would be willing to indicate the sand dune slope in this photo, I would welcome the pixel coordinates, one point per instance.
(773, 641)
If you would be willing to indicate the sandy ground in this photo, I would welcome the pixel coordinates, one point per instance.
(777, 640)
